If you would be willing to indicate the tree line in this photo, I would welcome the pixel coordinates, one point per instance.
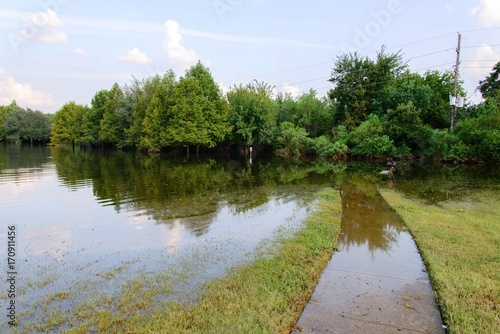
(377, 107)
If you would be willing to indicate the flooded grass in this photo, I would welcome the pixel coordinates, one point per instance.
(459, 242)
(265, 296)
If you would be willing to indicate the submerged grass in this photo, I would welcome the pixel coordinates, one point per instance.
(265, 296)
(460, 244)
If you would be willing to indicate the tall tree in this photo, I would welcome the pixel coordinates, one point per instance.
(252, 113)
(4, 111)
(140, 94)
(111, 131)
(351, 79)
(67, 127)
(215, 108)
(186, 125)
(360, 85)
(490, 86)
(315, 116)
(157, 113)
(438, 116)
(21, 125)
(199, 114)
(92, 119)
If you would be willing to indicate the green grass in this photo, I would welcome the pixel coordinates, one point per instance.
(460, 244)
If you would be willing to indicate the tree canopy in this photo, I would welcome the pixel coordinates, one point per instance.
(26, 125)
(376, 107)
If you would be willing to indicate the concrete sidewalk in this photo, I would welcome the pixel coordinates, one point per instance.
(376, 283)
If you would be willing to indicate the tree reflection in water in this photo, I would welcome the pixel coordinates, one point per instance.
(366, 218)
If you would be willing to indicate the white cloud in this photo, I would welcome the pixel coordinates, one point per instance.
(180, 57)
(81, 52)
(475, 10)
(225, 89)
(291, 90)
(23, 93)
(44, 27)
(488, 13)
(241, 39)
(47, 19)
(137, 57)
(484, 60)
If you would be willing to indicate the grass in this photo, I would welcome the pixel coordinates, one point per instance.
(460, 245)
(265, 296)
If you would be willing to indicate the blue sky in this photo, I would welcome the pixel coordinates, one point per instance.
(55, 51)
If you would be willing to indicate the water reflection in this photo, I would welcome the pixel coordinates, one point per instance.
(96, 220)
(366, 218)
(437, 183)
(99, 219)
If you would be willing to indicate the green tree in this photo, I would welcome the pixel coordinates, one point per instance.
(186, 123)
(215, 108)
(404, 125)
(21, 125)
(287, 110)
(490, 86)
(360, 85)
(111, 131)
(482, 136)
(314, 114)
(4, 111)
(67, 127)
(438, 116)
(92, 119)
(140, 94)
(156, 117)
(198, 114)
(252, 113)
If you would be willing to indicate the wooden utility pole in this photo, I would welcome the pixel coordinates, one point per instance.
(454, 104)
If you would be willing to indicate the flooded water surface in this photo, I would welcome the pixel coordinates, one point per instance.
(92, 224)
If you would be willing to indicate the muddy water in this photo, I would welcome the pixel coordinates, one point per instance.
(376, 282)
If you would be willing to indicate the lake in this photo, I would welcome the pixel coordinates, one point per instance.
(89, 223)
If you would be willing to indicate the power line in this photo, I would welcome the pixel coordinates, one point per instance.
(280, 72)
(393, 47)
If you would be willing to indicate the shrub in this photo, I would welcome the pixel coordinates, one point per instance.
(369, 138)
(293, 140)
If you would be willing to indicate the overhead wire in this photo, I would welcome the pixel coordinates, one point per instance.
(407, 60)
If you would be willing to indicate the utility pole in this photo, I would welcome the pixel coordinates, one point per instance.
(454, 102)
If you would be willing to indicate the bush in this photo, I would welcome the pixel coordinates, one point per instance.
(369, 139)
(483, 135)
(293, 140)
(446, 146)
(325, 147)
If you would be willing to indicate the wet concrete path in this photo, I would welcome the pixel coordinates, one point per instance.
(376, 282)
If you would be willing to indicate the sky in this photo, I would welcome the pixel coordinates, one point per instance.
(56, 51)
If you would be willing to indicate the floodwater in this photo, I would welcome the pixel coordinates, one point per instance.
(89, 223)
